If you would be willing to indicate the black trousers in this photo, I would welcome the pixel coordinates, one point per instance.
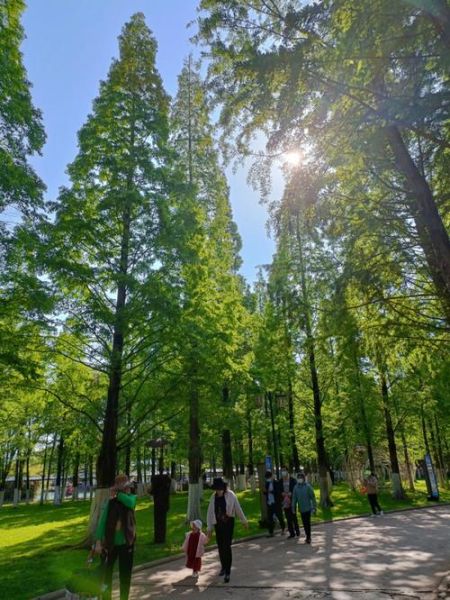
(306, 520)
(274, 509)
(292, 522)
(125, 555)
(224, 536)
(373, 499)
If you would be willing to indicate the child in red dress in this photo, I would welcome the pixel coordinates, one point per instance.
(194, 547)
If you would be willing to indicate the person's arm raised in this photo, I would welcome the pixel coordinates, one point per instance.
(128, 500)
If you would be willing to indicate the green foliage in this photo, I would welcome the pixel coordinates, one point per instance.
(21, 130)
(133, 291)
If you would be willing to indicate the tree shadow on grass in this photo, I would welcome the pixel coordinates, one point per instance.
(36, 514)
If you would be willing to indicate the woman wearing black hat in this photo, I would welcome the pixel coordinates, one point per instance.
(222, 509)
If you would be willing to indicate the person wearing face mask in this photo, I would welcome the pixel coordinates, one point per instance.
(303, 495)
(272, 492)
(288, 483)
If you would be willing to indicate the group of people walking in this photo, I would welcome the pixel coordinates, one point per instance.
(283, 496)
(116, 530)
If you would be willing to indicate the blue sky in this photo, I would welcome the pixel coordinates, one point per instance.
(68, 50)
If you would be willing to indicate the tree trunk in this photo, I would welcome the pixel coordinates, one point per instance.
(193, 508)
(75, 477)
(227, 456)
(85, 477)
(436, 459)
(294, 462)
(50, 464)
(241, 482)
(430, 227)
(424, 431)
(91, 476)
(127, 467)
(251, 467)
(153, 458)
(440, 452)
(27, 478)
(6, 464)
(281, 460)
(397, 488)
(41, 501)
(17, 487)
(262, 497)
(161, 458)
(269, 437)
(65, 472)
(138, 462)
(195, 458)
(128, 443)
(324, 484)
(407, 463)
(241, 465)
(57, 499)
(101, 496)
(362, 409)
(447, 454)
(276, 453)
(107, 458)
(144, 460)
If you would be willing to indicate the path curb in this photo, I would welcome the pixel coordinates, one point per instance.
(57, 595)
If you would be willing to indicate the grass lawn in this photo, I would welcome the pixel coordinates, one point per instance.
(35, 552)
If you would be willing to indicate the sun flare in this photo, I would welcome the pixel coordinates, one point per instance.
(293, 158)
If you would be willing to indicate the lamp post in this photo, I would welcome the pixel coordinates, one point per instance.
(274, 436)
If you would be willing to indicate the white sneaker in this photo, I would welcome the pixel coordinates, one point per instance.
(381, 512)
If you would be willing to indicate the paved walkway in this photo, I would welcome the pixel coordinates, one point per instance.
(398, 556)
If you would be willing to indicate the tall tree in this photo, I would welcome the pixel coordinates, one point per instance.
(307, 272)
(210, 290)
(105, 245)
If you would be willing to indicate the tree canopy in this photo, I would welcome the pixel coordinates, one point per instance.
(125, 322)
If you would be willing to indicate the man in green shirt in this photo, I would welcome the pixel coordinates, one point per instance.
(115, 536)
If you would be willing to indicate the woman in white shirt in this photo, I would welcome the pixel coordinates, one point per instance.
(222, 509)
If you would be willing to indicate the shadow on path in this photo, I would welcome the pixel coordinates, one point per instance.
(401, 555)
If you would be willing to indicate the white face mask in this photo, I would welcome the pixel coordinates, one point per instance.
(284, 473)
(301, 480)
